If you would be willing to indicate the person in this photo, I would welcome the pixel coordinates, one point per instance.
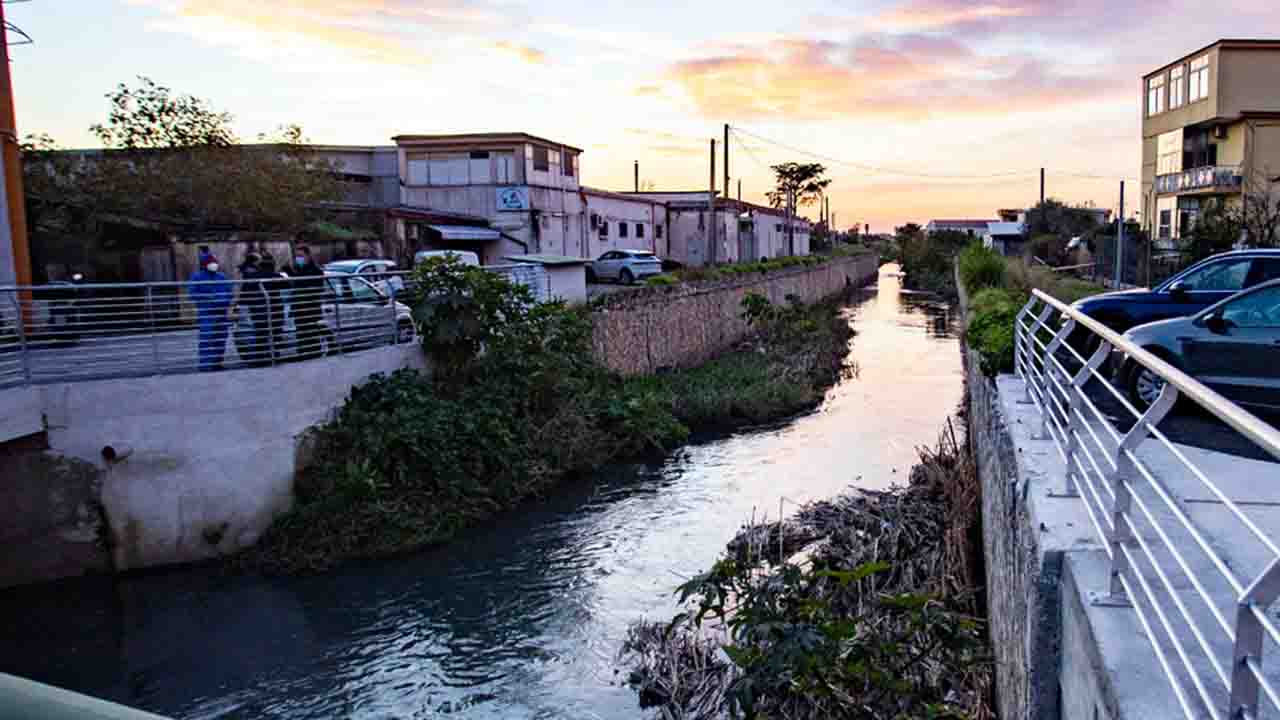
(255, 349)
(211, 294)
(306, 296)
(274, 293)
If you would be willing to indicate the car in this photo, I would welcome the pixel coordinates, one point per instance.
(466, 257)
(1232, 346)
(355, 315)
(1187, 293)
(625, 266)
(370, 267)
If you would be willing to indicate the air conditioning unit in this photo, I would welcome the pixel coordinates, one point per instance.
(1220, 132)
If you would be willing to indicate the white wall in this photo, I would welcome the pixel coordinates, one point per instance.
(213, 454)
(612, 211)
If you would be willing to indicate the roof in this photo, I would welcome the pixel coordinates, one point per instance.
(973, 224)
(547, 259)
(1004, 228)
(1254, 43)
(619, 195)
(491, 137)
(407, 212)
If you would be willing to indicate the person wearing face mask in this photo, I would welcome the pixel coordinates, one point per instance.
(212, 295)
(306, 298)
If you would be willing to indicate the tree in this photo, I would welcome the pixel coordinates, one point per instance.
(1054, 217)
(171, 158)
(1260, 214)
(806, 180)
(1217, 230)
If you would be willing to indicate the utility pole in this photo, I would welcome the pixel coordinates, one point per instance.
(1042, 186)
(15, 264)
(711, 208)
(791, 238)
(739, 189)
(637, 176)
(726, 161)
(1120, 239)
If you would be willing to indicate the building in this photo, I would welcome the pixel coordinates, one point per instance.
(1210, 132)
(972, 228)
(743, 231)
(1006, 238)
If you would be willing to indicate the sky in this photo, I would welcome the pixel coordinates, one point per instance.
(920, 109)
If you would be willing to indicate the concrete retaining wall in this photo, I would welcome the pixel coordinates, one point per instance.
(208, 461)
(686, 325)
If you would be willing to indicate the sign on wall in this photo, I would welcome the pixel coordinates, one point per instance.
(513, 198)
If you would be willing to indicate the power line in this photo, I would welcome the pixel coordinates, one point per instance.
(915, 174)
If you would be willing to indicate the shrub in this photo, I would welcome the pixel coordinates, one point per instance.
(990, 331)
(663, 280)
(981, 268)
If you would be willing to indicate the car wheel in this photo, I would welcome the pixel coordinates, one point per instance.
(1144, 386)
(404, 332)
(625, 277)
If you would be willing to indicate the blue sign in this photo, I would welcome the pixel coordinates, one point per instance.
(513, 198)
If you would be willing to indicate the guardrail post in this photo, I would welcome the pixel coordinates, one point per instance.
(19, 322)
(1125, 473)
(1020, 341)
(391, 306)
(271, 323)
(1049, 373)
(337, 320)
(1248, 641)
(155, 339)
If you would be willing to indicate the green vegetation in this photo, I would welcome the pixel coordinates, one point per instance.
(517, 403)
(929, 259)
(719, 272)
(860, 607)
(999, 289)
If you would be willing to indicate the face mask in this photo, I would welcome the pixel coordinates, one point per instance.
(213, 267)
(300, 261)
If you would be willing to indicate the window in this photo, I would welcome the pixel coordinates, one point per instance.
(657, 231)
(778, 227)
(1166, 224)
(1177, 86)
(481, 169)
(622, 229)
(1265, 269)
(1228, 276)
(364, 292)
(417, 167)
(566, 163)
(541, 159)
(448, 168)
(1198, 151)
(1155, 95)
(1199, 83)
(1255, 310)
(639, 230)
(505, 167)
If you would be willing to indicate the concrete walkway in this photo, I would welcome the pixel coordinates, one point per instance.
(1109, 667)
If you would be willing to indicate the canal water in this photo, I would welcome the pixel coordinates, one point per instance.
(519, 620)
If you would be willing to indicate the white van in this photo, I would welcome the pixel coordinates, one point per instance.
(467, 257)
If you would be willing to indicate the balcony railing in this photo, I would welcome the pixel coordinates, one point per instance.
(1219, 177)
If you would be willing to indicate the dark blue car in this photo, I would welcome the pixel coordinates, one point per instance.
(1187, 293)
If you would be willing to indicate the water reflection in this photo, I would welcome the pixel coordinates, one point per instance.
(521, 620)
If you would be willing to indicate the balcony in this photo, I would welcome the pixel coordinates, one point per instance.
(1219, 178)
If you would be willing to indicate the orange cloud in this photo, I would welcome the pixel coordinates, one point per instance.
(530, 55)
(905, 77)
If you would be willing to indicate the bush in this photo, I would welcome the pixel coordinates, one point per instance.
(981, 268)
(990, 330)
(663, 280)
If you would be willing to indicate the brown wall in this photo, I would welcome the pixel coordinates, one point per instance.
(1248, 81)
(686, 325)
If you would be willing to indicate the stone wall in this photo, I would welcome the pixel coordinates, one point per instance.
(686, 325)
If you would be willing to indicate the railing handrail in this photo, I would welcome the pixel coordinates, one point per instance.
(1244, 422)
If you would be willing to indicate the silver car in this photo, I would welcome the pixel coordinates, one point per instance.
(1232, 346)
(625, 266)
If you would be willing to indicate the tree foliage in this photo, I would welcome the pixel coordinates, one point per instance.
(807, 180)
(171, 157)
(1054, 217)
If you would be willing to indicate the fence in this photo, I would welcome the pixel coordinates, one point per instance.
(69, 332)
(1201, 599)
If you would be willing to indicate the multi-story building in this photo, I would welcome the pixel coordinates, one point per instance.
(1210, 132)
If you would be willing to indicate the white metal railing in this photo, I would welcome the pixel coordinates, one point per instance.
(72, 332)
(1208, 631)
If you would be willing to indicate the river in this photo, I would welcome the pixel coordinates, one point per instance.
(522, 619)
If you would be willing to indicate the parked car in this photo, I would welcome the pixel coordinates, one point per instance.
(624, 266)
(1232, 346)
(465, 256)
(1187, 293)
(374, 266)
(355, 315)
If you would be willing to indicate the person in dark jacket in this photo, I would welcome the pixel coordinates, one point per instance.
(306, 298)
(211, 294)
(254, 342)
(274, 292)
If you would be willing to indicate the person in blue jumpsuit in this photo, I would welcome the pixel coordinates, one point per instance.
(212, 297)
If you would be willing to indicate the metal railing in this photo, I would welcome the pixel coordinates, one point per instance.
(1201, 178)
(72, 332)
(1203, 608)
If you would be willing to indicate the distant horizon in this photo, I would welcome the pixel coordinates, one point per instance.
(921, 109)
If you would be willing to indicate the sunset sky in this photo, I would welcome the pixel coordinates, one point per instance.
(930, 108)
